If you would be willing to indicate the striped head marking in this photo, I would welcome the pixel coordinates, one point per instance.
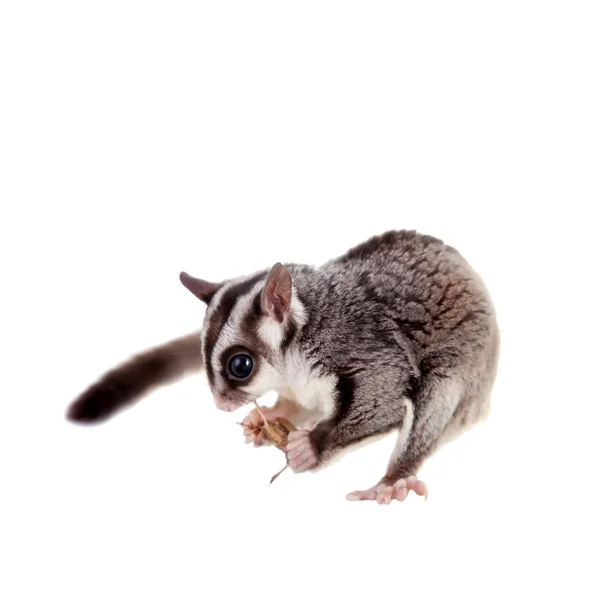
(249, 324)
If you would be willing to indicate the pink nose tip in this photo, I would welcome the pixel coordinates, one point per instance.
(222, 403)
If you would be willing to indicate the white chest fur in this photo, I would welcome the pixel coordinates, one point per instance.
(309, 389)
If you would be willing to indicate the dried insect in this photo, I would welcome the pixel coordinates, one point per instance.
(276, 432)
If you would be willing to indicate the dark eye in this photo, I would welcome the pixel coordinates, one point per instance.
(240, 366)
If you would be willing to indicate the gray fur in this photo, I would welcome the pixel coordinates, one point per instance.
(401, 318)
(398, 334)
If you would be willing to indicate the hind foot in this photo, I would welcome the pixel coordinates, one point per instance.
(384, 493)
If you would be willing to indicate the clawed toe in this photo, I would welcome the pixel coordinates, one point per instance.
(384, 494)
(417, 486)
(359, 495)
(400, 490)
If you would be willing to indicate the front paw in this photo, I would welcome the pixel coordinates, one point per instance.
(253, 424)
(300, 452)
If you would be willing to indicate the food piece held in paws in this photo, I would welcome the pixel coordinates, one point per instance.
(275, 432)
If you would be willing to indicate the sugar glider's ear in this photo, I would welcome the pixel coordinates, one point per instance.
(277, 294)
(203, 290)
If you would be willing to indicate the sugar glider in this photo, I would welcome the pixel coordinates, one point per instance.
(398, 334)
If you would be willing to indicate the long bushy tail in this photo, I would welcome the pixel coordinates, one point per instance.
(126, 383)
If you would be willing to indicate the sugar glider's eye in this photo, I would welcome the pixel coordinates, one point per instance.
(240, 366)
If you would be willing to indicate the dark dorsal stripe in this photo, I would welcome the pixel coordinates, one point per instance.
(289, 335)
(251, 320)
(221, 314)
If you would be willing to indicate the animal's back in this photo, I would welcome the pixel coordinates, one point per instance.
(402, 288)
(421, 284)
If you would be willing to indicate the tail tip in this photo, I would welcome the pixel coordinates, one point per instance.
(93, 406)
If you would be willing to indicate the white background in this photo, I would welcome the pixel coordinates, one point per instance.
(141, 138)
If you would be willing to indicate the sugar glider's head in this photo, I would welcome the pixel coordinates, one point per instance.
(249, 325)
